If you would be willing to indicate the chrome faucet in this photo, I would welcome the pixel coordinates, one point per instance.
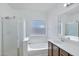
(62, 39)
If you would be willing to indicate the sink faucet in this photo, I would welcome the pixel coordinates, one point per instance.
(62, 39)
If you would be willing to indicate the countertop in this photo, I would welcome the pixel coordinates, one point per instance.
(69, 46)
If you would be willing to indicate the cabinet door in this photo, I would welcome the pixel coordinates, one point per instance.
(55, 50)
(63, 53)
(50, 49)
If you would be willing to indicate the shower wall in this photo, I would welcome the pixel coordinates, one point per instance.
(0, 36)
(9, 33)
(10, 37)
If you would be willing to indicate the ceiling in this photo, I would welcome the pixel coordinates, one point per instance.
(39, 7)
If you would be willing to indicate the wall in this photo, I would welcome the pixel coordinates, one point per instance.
(52, 27)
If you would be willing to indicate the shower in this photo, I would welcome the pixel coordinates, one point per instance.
(9, 36)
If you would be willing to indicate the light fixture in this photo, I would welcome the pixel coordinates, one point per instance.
(67, 4)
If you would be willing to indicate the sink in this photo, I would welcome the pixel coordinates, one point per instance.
(72, 38)
(58, 41)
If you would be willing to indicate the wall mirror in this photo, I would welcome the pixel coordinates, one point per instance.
(69, 30)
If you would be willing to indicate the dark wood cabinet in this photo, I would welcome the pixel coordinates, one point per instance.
(54, 50)
(63, 53)
(70, 55)
(50, 49)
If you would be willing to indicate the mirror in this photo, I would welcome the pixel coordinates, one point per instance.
(68, 30)
(68, 25)
(71, 29)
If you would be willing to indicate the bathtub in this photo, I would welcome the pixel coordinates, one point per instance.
(35, 46)
(40, 49)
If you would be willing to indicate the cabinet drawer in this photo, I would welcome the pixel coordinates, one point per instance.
(63, 53)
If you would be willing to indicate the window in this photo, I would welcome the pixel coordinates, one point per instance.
(38, 27)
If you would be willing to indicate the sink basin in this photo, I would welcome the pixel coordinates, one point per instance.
(58, 41)
(72, 38)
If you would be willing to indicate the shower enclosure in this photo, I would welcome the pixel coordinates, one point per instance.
(10, 36)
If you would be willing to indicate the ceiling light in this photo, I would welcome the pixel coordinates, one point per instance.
(67, 4)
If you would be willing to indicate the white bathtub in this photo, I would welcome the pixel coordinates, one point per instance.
(35, 46)
(40, 49)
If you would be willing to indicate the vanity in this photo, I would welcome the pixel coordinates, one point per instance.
(67, 41)
(55, 50)
(57, 47)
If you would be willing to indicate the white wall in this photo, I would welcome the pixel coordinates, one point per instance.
(52, 27)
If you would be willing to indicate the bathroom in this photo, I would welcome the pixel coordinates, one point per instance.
(32, 29)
